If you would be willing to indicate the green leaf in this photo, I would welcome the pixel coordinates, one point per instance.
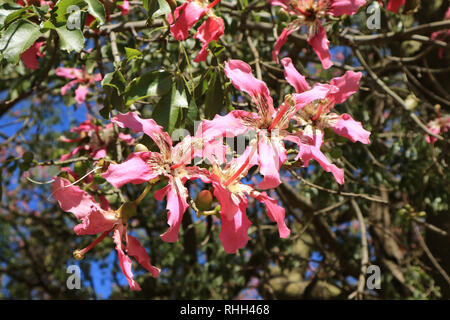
(152, 84)
(96, 9)
(156, 8)
(132, 54)
(114, 85)
(214, 96)
(168, 112)
(7, 9)
(19, 36)
(70, 40)
(15, 15)
(179, 95)
(60, 11)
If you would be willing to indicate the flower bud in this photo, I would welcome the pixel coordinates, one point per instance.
(204, 200)
(140, 147)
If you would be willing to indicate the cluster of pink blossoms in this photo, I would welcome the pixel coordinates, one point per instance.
(80, 77)
(308, 110)
(312, 14)
(93, 139)
(186, 15)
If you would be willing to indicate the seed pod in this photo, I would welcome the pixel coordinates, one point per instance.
(204, 200)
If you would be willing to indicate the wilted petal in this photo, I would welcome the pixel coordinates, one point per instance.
(320, 44)
(294, 78)
(275, 213)
(351, 129)
(191, 13)
(124, 260)
(348, 84)
(349, 7)
(135, 169)
(210, 30)
(136, 250)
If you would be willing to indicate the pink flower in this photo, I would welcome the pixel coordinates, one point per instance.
(395, 5)
(442, 34)
(232, 195)
(95, 139)
(436, 126)
(315, 116)
(171, 162)
(269, 124)
(310, 13)
(125, 7)
(29, 56)
(78, 76)
(188, 14)
(98, 219)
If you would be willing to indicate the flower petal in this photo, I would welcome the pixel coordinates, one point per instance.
(349, 7)
(124, 260)
(191, 13)
(234, 232)
(241, 75)
(320, 44)
(96, 221)
(395, 5)
(271, 155)
(136, 250)
(134, 169)
(275, 213)
(281, 41)
(351, 129)
(176, 205)
(72, 199)
(210, 30)
(132, 121)
(294, 78)
(348, 84)
(80, 93)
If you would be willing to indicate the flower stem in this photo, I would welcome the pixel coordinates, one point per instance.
(146, 190)
(79, 254)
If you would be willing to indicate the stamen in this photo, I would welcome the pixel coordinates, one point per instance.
(242, 168)
(183, 161)
(317, 115)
